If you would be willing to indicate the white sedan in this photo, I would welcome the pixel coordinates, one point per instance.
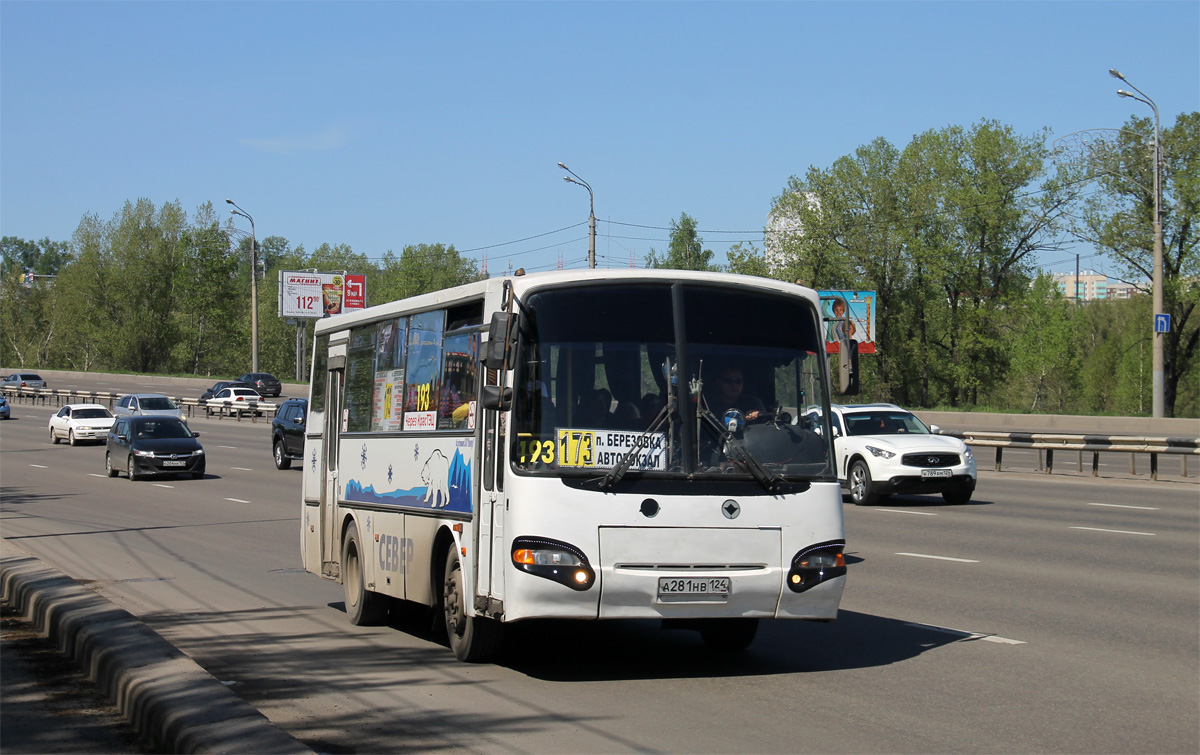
(882, 449)
(76, 423)
(236, 399)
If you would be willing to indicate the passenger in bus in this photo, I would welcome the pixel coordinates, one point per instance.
(730, 395)
(594, 408)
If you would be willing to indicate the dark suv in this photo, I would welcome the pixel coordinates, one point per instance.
(287, 432)
(264, 382)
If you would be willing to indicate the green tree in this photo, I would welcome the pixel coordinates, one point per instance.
(43, 257)
(420, 269)
(1119, 222)
(208, 303)
(685, 250)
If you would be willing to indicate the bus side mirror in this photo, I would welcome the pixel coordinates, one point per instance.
(498, 340)
(848, 367)
(495, 397)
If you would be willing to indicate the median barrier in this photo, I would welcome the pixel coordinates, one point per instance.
(1093, 444)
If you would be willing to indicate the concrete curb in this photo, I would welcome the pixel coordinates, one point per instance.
(170, 700)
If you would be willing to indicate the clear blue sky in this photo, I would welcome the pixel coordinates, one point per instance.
(382, 124)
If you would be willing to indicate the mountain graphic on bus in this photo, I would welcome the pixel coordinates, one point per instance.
(459, 486)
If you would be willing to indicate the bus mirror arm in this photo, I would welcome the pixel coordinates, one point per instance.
(497, 398)
(848, 367)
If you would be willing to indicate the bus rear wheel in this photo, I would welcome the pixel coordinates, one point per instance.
(363, 607)
(474, 639)
(728, 635)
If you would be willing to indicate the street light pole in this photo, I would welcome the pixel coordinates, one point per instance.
(1157, 409)
(253, 286)
(591, 213)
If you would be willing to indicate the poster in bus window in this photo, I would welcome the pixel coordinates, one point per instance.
(423, 372)
(860, 307)
(456, 407)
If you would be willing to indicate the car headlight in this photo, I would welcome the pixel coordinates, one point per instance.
(148, 454)
(198, 452)
(967, 454)
(881, 453)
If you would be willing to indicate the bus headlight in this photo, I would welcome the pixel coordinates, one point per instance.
(816, 564)
(554, 560)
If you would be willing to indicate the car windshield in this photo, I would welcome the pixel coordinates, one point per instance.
(608, 390)
(159, 403)
(884, 422)
(160, 429)
(98, 413)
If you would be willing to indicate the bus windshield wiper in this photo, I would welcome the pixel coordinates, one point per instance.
(614, 475)
(770, 482)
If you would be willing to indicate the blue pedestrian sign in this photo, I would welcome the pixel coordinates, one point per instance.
(1162, 323)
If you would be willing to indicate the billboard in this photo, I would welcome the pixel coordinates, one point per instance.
(860, 306)
(316, 295)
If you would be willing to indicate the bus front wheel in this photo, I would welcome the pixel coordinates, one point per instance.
(474, 639)
(363, 607)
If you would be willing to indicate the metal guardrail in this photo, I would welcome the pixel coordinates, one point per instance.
(1093, 444)
(61, 396)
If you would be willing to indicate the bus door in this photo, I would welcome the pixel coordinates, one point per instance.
(330, 547)
(490, 508)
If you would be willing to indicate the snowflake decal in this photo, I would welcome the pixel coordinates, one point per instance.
(416, 452)
(314, 460)
(363, 457)
(389, 474)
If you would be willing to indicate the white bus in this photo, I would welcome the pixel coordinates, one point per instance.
(569, 445)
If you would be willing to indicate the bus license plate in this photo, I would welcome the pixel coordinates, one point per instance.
(693, 585)
(179, 463)
(936, 473)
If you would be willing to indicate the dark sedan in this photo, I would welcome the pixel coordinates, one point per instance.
(153, 445)
(263, 382)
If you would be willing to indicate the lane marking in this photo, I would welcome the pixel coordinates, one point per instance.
(230, 447)
(940, 558)
(242, 469)
(160, 485)
(93, 474)
(1116, 532)
(965, 635)
(902, 511)
(1123, 506)
(39, 466)
(236, 500)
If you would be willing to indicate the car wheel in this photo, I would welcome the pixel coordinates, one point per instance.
(860, 484)
(473, 639)
(728, 635)
(71, 438)
(108, 467)
(957, 497)
(281, 459)
(53, 437)
(131, 469)
(363, 607)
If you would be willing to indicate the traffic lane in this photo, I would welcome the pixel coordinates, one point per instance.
(152, 527)
(588, 716)
(1048, 550)
(1094, 607)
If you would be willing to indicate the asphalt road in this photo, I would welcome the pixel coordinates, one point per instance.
(1052, 614)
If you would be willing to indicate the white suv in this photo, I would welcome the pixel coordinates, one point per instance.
(882, 449)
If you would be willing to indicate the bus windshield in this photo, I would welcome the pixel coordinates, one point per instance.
(670, 379)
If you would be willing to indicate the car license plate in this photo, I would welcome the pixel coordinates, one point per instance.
(927, 473)
(693, 585)
(179, 463)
